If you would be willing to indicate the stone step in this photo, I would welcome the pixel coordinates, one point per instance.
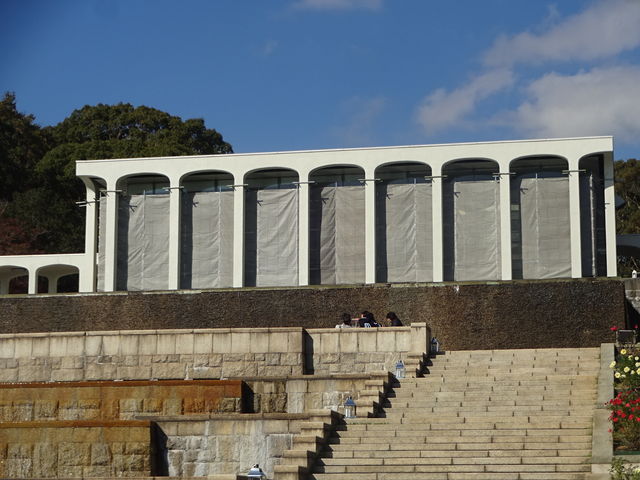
(511, 424)
(451, 476)
(458, 446)
(484, 417)
(440, 453)
(491, 377)
(510, 410)
(448, 460)
(433, 468)
(458, 439)
(483, 402)
(394, 432)
(456, 390)
(484, 382)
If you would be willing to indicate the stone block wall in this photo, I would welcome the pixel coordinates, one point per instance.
(226, 445)
(349, 350)
(75, 449)
(150, 354)
(117, 400)
(305, 394)
(204, 353)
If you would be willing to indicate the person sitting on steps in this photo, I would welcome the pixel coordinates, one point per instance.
(346, 321)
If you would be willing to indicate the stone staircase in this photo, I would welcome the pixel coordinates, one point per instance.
(494, 415)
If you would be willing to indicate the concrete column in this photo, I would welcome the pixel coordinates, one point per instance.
(33, 281)
(370, 226)
(4, 285)
(52, 286)
(436, 222)
(87, 274)
(610, 216)
(574, 219)
(303, 229)
(238, 234)
(111, 238)
(175, 197)
(505, 221)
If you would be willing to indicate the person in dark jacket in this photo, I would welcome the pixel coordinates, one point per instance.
(367, 320)
(393, 320)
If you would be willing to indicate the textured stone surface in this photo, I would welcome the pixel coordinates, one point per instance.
(117, 400)
(74, 449)
(518, 314)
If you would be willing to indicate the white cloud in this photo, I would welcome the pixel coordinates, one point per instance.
(598, 102)
(269, 47)
(442, 109)
(339, 4)
(361, 114)
(606, 29)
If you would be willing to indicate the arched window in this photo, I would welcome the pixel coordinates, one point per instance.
(336, 226)
(143, 233)
(271, 228)
(471, 220)
(592, 223)
(540, 235)
(206, 230)
(404, 247)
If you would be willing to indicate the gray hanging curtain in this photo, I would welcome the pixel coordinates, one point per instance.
(271, 237)
(337, 237)
(102, 232)
(543, 230)
(143, 240)
(207, 240)
(471, 220)
(403, 232)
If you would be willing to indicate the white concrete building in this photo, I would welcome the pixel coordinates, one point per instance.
(429, 213)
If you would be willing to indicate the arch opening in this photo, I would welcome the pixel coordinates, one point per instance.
(471, 220)
(404, 246)
(337, 226)
(271, 228)
(540, 235)
(142, 256)
(13, 279)
(593, 244)
(206, 230)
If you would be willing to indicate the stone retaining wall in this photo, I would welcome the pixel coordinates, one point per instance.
(150, 354)
(203, 353)
(116, 400)
(464, 316)
(75, 449)
(349, 350)
(228, 445)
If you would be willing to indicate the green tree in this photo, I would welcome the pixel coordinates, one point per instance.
(627, 185)
(22, 145)
(95, 132)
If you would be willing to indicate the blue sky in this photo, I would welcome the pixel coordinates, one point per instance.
(307, 74)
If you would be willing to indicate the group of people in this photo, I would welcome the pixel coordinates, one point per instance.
(367, 320)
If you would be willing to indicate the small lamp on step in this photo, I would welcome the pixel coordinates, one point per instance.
(350, 408)
(400, 369)
(256, 473)
(435, 346)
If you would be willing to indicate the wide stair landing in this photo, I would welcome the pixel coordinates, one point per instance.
(494, 415)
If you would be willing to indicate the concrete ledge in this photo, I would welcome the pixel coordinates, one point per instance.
(76, 424)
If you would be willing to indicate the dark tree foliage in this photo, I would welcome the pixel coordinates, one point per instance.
(627, 176)
(22, 145)
(41, 185)
(627, 184)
